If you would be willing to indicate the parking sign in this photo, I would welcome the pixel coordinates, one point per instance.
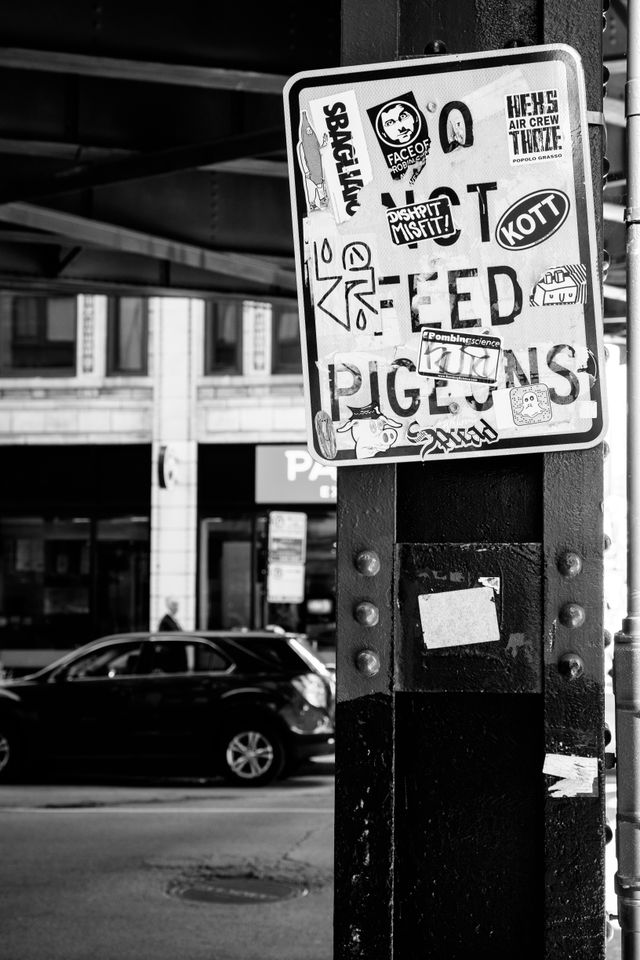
(446, 258)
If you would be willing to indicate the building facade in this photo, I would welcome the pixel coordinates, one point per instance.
(145, 443)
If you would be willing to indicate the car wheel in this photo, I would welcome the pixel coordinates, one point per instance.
(252, 755)
(8, 752)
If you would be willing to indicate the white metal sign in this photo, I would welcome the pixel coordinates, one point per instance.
(287, 556)
(446, 256)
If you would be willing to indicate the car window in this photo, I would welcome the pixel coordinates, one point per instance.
(183, 656)
(271, 652)
(115, 660)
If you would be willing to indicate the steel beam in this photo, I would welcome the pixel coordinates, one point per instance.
(111, 68)
(82, 230)
(141, 166)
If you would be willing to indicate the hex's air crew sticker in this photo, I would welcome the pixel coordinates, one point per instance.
(402, 133)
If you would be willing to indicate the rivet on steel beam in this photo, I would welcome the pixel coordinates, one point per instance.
(608, 832)
(572, 615)
(570, 563)
(435, 46)
(571, 666)
(366, 613)
(606, 542)
(368, 563)
(368, 662)
(607, 638)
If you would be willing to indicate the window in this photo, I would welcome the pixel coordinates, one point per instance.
(287, 357)
(183, 656)
(115, 660)
(223, 336)
(127, 336)
(37, 336)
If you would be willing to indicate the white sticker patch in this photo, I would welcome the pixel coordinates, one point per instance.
(578, 776)
(345, 158)
(459, 618)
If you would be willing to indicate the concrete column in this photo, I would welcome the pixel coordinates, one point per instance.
(176, 334)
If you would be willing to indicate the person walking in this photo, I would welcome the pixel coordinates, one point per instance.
(169, 621)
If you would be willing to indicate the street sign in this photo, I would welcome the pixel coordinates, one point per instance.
(446, 257)
(287, 556)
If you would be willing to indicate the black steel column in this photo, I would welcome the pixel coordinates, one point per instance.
(448, 842)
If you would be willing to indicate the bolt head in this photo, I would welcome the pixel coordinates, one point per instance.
(368, 563)
(570, 563)
(571, 666)
(368, 663)
(367, 614)
(572, 615)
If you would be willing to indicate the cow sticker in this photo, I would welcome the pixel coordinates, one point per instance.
(371, 432)
(534, 129)
(561, 286)
(402, 132)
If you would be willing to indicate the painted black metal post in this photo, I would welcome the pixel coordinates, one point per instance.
(449, 843)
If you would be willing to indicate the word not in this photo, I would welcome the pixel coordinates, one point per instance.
(448, 441)
(532, 219)
(459, 356)
(421, 221)
(344, 155)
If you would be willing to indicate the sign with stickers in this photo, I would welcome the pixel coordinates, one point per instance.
(446, 257)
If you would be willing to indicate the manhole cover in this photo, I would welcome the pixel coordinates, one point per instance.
(237, 890)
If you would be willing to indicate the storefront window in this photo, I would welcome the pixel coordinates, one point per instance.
(37, 336)
(223, 336)
(127, 336)
(287, 357)
(64, 582)
(227, 574)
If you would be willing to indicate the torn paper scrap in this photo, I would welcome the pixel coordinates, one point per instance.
(458, 618)
(578, 775)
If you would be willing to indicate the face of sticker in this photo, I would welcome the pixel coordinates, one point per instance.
(397, 123)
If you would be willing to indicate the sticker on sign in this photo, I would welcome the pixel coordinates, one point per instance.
(447, 268)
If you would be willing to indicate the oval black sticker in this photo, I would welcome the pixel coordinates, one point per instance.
(532, 219)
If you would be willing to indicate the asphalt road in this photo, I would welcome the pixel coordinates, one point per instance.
(95, 872)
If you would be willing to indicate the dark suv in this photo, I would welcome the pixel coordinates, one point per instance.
(249, 705)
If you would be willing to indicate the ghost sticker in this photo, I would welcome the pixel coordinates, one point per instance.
(372, 432)
(402, 133)
(530, 404)
(560, 286)
(310, 160)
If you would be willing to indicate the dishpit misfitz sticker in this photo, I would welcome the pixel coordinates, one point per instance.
(445, 355)
(428, 220)
(533, 126)
(345, 158)
(561, 286)
(402, 133)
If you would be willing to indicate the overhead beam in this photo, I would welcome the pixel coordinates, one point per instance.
(141, 166)
(78, 152)
(82, 230)
(111, 68)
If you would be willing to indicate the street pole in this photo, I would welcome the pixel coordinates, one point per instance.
(627, 648)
